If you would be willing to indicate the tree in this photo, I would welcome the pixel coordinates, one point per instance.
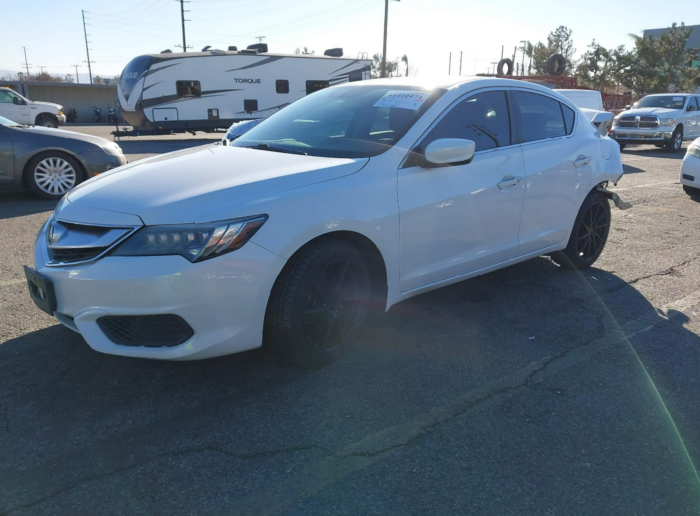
(597, 67)
(305, 51)
(664, 63)
(392, 67)
(558, 42)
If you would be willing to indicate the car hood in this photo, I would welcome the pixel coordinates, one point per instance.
(660, 112)
(61, 133)
(205, 183)
(40, 103)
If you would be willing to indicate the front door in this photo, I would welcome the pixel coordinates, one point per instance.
(455, 220)
(7, 157)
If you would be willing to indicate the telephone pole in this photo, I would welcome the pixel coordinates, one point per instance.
(182, 17)
(87, 50)
(260, 38)
(26, 64)
(77, 79)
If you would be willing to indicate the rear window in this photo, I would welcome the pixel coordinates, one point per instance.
(569, 116)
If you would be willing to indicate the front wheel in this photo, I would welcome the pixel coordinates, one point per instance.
(690, 190)
(51, 174)
(676, 141)
(47, 121)
(589, 234)
(319, 303)
(622, 145)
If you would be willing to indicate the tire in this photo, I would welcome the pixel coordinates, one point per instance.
(50, 175)
(589, 234)
(505, 63)
(47, 121)
(676, 142)
(691, 190)
(622, 145)
(319, 303)
(659, 145)
(556, 64)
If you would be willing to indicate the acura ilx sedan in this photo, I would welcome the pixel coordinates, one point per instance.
(351, 199)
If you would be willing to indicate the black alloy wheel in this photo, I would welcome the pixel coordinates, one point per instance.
(335, 305)
(589, 234)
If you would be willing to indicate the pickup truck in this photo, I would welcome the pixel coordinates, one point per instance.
(21, 110)
(664, 120)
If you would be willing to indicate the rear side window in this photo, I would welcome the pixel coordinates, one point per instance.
(482, 118)
(542, 117)
(282, 86)
(568, 118)
(188, 89)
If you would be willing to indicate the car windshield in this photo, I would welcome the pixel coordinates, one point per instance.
(662, 101)
(7, 123)
(342, 122)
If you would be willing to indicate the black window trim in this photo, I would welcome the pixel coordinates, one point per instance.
(552, 97)
(407, 161)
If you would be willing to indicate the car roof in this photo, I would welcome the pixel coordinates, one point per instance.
(452, 82)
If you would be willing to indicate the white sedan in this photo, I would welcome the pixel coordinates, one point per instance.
(351, 199)
(690, 169)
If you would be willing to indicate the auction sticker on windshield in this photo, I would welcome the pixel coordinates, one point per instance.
(403, 100)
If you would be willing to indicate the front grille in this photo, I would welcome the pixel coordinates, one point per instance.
(74, 255)
(151, 331)
(644, 122)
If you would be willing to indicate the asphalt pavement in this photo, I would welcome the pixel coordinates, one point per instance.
(528, 391)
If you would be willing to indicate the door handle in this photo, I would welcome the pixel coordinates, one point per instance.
(582, 161)
(508, 181)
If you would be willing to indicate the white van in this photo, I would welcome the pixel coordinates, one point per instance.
(21, 110)
(587, 99)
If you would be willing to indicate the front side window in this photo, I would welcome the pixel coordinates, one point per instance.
(6, 97)
(188, 89)
(357, 121)
(482, 118)
(542, 117)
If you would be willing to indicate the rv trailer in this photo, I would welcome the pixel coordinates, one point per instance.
(210, 90)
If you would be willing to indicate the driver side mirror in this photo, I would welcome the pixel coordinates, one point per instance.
(446, 152)
(690, 108)
(17, 101)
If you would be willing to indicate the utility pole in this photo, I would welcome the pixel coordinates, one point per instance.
(460, 63)
(260, 38)
(522, 66)
(26, 64)
(182, 17)
(449, 66)
(386, 24)
(42, 69)
(87, 50)
(77, 79)
(494, 67)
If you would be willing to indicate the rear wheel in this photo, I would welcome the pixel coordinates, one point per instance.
(676, 141)
(51, 174)
(319, 303)
(622, 145)
(690, 190)
(589, 234)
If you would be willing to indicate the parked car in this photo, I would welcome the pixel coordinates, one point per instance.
(50, 162)
(664, 120)
(17, 108)
(690, 169)
(587, 99)
(239, 128)
(353, 198)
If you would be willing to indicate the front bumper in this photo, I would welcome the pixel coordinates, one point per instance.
(99, 161)
(61, 119)
(690, 171)
(632, 135)
(223, 299)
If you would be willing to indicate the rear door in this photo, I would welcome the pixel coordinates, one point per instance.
(558, 166)
(7, 157)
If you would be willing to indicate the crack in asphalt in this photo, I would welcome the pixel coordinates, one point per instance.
(664, 272)
(177, 453)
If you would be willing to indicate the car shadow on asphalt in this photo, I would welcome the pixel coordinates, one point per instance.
(19, 204)
(63, 394)
(654, 152)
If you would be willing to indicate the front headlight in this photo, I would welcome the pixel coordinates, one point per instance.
(667, 121)
(112, 148)
(694, 150)
(615, 121)
(196, 242)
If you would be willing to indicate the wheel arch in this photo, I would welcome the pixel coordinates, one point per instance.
(45, 114)
(28, 159)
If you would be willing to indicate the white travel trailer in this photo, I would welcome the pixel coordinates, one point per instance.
(209, 90)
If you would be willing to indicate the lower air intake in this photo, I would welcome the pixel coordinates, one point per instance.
(151, 331)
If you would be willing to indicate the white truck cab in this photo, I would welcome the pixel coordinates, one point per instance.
(21, 110)
(586, 99)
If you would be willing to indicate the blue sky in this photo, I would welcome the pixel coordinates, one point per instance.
(425, 30)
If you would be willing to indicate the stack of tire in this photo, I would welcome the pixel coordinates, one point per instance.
(556, 65)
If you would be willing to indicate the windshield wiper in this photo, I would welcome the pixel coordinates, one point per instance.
(268, 147)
